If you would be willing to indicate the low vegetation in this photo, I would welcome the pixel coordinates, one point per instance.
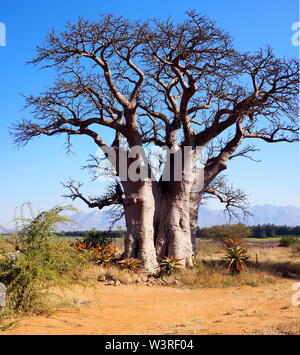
(102, 254)
(287, 241)
(169, 266)
(225, 231)
(132, 265)
(33, 263)
(240, 230)
(36, 266)
(235, 255)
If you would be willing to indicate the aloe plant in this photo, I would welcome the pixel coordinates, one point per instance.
(132, 265)
(236, 258)
(169, 266)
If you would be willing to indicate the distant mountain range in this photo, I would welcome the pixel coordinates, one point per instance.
(279, 215)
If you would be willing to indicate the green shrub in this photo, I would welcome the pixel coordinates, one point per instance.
(287, 241)
(36, 270)
(35, 230)
(227, 230)
(42, 263)
(96, 238)
(104, 259)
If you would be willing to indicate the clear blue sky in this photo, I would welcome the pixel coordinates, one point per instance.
(34, 173)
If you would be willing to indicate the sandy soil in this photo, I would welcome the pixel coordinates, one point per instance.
(136, 310)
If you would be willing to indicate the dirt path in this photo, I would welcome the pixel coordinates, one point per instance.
(160, 310)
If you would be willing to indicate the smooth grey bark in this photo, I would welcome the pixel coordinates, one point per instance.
(212, 170)
(139, 208)
(174, 235)
(174, 238)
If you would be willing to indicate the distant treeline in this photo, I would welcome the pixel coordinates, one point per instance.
(259, 231)
(271, 230)
(83, 234)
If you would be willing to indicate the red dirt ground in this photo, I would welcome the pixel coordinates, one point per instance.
(136, 310)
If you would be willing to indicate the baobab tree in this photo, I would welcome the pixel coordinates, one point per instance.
(213, 90)
(175, 86)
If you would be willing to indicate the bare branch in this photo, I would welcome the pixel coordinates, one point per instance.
(235, 201)
(114, 195)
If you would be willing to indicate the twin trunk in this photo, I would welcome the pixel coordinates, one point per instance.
(161, 222)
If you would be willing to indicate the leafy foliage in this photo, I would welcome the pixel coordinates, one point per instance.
(271, 230)
(36, 270)
(42, 262)
(98, 238)
(35, 230)
(104, 259)
(225, 231)
(287, 241)
(258, 231)
(102, 255)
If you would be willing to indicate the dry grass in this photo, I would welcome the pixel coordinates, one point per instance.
(265, 266)
(124, 277)
(278, 261)
(292, 328)
(201, 276)
(272, 259)
(195, 328)
(217, 276)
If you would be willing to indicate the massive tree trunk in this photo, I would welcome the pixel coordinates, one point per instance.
(139, 207)
(174, 237)
(174, 234)
(141, 196)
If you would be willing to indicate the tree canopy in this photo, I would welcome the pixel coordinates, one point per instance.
(172, 85)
